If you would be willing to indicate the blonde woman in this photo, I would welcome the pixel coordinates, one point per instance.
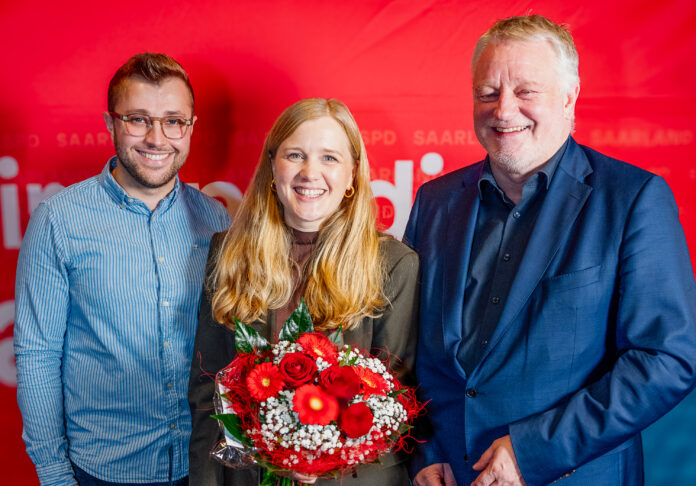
(306, 228)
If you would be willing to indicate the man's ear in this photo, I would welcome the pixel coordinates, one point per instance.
(192, 125)
(571, 97)
(108, 119)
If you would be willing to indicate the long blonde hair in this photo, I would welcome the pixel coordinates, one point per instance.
(345, 273)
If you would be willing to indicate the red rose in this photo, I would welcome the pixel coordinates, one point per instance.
(319, 346)
(314, 405)
(356, 420)
(340, 381)
(297, 369)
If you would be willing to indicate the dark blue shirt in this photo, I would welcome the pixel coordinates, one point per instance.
(502, 232)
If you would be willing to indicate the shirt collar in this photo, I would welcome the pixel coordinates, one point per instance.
(121, 197)
(548, 170)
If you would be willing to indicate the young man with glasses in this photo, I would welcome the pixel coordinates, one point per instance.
(108, 288)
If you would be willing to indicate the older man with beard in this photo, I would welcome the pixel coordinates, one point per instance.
(558, 303)
(107, 296)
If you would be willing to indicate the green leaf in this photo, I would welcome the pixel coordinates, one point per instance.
(396, 393)
(298, 323)
(337, 336)
(231, 423)
(247, 339)
(403, 428)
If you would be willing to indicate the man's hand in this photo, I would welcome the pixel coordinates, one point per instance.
(435, 475)
(498, 465)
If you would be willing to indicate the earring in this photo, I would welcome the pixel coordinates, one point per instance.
(350, 191)
(273, 186)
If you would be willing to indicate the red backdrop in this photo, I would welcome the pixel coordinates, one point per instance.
(401, 66)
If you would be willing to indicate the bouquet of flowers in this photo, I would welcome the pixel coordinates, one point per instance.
(309, 404)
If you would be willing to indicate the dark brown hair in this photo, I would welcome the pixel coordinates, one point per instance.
(150, 66)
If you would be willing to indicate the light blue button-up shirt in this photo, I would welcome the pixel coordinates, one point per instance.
(107, 298)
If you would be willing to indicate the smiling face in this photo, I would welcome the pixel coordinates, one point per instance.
(313, 168)
(148, 164)
(523, 112)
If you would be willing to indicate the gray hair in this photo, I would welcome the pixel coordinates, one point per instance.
(535, 27)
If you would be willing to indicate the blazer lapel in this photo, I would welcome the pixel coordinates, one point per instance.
(462, 209)
(566, 197)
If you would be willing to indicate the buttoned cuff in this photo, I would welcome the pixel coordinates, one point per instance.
(56, 474)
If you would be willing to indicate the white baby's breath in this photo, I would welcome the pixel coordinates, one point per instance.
(283, 348)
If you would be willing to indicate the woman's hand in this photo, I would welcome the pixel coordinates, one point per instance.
(295, 476)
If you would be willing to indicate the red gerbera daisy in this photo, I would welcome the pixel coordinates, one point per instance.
(264, 381)
(318, 346)
(314, 405)
(371, 382)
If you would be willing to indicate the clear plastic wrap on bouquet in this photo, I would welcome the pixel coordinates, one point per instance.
(229, 451)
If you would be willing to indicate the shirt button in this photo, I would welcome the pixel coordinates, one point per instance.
(130, 199)
(166, 344)
(169, 385)
(173, 426)
(506, 257)
(516, 215)
(484, 342)
(160, 259)
(471, 392)
(495, 300)
(165, 303)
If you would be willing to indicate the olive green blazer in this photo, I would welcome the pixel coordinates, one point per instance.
(394, 332)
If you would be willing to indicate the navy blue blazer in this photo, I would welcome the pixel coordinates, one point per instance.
(597, 338)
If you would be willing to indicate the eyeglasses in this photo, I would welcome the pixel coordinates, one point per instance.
(173, 127)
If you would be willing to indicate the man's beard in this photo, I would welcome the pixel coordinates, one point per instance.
(511, 161)
(140, 177)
